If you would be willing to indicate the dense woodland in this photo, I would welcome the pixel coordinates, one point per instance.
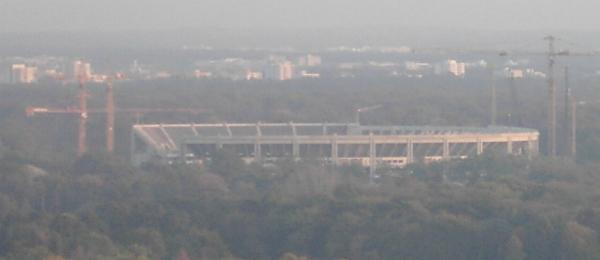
(53, 206)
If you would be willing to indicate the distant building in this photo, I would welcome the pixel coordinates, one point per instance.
(279, 71)
(98, 78)
(199, 74)
(451, 67)
(309, 75)
(17, 73)
(82, 71)
(401, 49)
(515, 73)
(23, 74)
(310, 61)
(162, 75)
(531, 73)
(417, 66)
(254, 75)
(461, 69)
(52, 74)
(286, 71)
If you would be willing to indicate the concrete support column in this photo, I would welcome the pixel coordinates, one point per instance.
(257, 144)
(295, 149)
(334, 150)
(257, 151)
(372, 157)
(410, 149)
(446, 152)
(531, 148)
(295, 146)
(183, 152)
(132, 147)
(509, 146)
(228, 129)
(479, 147)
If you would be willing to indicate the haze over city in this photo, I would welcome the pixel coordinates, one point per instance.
(116, 15)
(297, 130)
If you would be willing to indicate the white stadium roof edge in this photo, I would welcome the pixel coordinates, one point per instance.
(168, 140)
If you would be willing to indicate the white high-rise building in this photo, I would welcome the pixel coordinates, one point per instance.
(286, 71)
(31, 75)
(17, 73)
(82, 70)
(451, 67)
(279, 71)
(21, 73)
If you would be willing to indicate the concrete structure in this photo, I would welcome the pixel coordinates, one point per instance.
(369, 146)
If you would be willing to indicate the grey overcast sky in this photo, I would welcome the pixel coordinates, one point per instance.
(115, 15)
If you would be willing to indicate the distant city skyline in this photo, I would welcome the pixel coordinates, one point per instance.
(117, 15)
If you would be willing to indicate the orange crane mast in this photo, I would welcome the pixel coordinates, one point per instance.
(110, 118)
(110, 110)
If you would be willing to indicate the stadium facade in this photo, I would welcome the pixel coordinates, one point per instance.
(370, 146)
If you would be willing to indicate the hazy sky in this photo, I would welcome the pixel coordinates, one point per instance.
(111, 15)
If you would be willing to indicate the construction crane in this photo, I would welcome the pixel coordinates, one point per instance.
(570, 107)
(82, 145)
(552, 54)
(110, 110)
(33, 111)
(570, 113)
(110, 118)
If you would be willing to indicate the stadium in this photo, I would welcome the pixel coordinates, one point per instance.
(369, 146)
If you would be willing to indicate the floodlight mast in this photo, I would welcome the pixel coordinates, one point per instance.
(552, 54)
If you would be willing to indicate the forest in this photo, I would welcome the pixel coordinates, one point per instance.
(53, 206)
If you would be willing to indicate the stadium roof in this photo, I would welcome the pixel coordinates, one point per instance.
(170, 136)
